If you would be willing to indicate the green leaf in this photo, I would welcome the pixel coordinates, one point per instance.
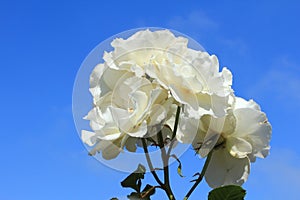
(144, 195)
(229, 192)
(134, 179)
(148, 191)
(179, 166)
(134, 196)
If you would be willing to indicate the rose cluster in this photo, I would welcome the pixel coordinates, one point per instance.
(141, 83)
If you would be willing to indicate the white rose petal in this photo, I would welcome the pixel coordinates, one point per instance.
(225, 169)
(86, 137)
(241, 136)
(238, 147)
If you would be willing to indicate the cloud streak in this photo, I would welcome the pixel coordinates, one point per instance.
(281, 82)
(204, 28)
(196, 20)
(277, 177)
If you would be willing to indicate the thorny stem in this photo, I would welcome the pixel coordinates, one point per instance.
(199, 179)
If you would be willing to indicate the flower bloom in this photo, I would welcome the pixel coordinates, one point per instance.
(136, 88)
(124, 112)
(238, 138)
(143, 81)
(191, 76)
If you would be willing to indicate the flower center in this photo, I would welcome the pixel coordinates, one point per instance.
(130, 110)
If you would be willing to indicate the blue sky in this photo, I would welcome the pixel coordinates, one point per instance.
(43, 43)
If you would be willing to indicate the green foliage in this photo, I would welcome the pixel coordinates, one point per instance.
(134, 181)
(229, 192)
(144, 195)
(148, 190)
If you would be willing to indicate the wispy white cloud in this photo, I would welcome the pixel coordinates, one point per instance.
(196, 24)
(203, 27)
(277, 177)
(282, 82)
(196, 20)
(283, 165)
(237, 45)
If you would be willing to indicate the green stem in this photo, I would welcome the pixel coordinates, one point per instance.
(150, 163)
(165, 160)
(200, 176)
(174, 131)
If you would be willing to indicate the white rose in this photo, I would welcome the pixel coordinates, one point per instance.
(194, 80)
(141, 48)
(134, 88)
(238, 138)
(192, 77)
(123, 110)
